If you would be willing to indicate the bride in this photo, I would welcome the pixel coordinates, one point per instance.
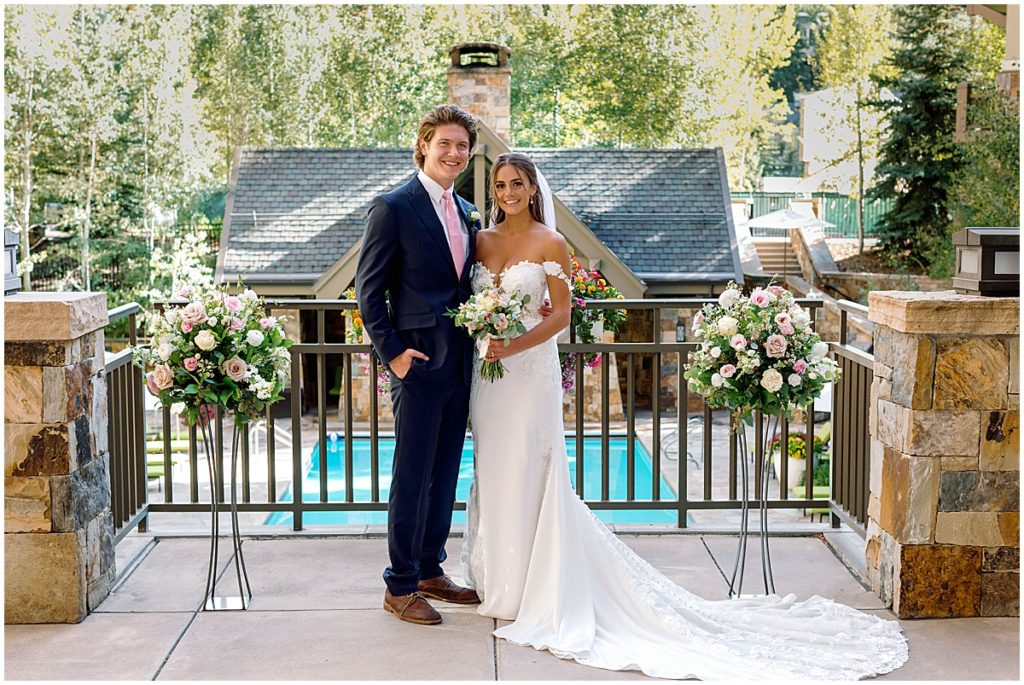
(536, 554)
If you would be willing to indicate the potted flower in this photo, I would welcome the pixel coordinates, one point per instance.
(589, 324)
(796, 454)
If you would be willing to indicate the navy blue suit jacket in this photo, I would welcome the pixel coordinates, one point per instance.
(406, 281)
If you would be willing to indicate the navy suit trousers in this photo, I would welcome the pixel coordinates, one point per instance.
(430, 428)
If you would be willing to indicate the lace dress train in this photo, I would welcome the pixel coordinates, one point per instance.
(539, 557)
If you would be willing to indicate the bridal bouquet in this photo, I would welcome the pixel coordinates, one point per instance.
(758, 353)
(491, 313)
(217, 348)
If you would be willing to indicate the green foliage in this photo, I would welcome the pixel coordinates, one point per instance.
(938, 46)
(985, 191)
(124, 119)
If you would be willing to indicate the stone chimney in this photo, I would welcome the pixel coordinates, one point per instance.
(479, 81)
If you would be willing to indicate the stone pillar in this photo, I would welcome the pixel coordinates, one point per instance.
(943, 510)
(58, 526)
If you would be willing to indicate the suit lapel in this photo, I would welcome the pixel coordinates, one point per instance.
(419, 198)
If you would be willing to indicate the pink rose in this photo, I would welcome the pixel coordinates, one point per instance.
(193, 313)
(185, 293)
(800, 366)
(186, 327)
(776, 289)
(267, 322)
(163, 377)
(151, 384)
(738, 342)
(760, 298)
(782, 319)
(775, 346)
(786, 330)
(232, 303)
(727, 371)
(501, 323)
(235, 324)
(234, 368)
(191, 363)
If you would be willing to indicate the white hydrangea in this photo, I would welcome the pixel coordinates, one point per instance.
(728, 298)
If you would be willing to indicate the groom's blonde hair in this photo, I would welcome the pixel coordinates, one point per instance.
(441, 116)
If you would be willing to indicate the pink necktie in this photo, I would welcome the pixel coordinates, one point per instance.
(454, 234)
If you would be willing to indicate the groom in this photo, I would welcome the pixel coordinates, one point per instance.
(414, 265)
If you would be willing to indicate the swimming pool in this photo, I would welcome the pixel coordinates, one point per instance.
(361, 482)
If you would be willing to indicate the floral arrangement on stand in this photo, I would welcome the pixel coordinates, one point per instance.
(589, 324)
(758, 353)
(217, 349)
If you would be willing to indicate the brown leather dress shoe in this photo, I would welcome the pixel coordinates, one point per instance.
(412, 608)
(444, 589)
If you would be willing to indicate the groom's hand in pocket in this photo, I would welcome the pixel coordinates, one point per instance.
(545, 309)
(403, 362)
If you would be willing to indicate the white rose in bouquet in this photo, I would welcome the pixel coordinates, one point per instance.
(727, 325)
(771, 380)
(165, 351)
(254, 338)
(819, 350)
(205, 341)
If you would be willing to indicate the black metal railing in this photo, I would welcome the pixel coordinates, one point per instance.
(126, 433)
(851, 442)
(309, 388)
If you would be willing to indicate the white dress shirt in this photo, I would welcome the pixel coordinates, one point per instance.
(436, 193)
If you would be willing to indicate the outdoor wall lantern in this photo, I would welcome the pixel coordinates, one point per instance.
(987, 262)
(12, 282)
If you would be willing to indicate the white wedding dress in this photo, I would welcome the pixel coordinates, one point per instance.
(537, 555)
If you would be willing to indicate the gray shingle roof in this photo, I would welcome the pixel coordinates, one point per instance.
(659, 211)
(309, 205)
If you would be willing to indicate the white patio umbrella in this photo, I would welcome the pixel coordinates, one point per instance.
(788, 218)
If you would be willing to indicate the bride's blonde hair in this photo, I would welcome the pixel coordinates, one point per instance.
(528, 169)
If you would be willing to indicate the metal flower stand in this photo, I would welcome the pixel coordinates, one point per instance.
(736, 581)
(214, 458)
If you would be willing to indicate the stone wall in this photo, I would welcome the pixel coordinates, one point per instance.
(944, 504)
(58, 526)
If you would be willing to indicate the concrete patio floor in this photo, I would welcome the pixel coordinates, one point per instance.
(317, 615)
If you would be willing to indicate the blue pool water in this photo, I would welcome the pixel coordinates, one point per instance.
(361, 482)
